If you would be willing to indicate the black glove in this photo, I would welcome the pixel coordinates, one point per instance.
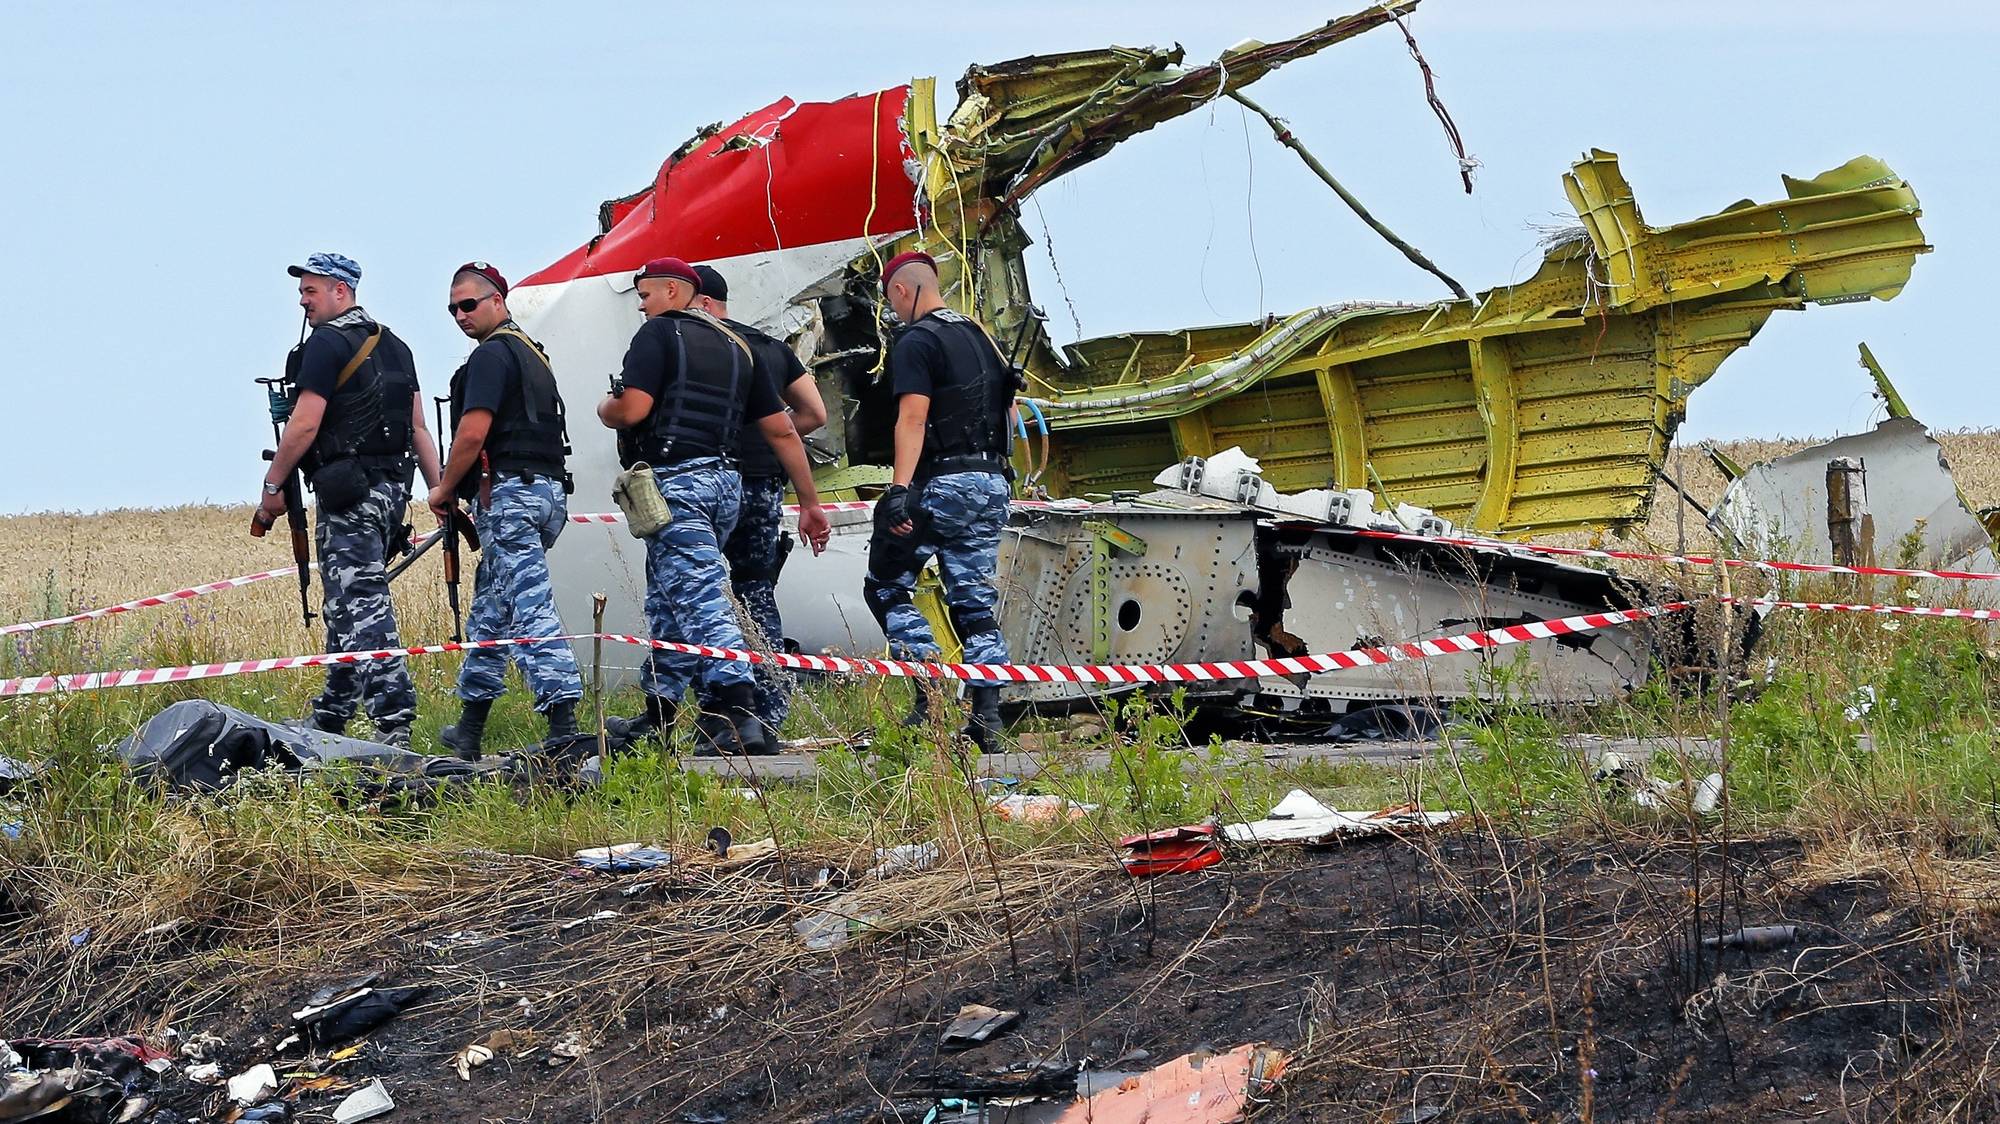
(893, 509)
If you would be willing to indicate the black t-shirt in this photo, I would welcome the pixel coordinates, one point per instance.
(487, 371)
(326, 351)
(651, 366)
(780, 366)
(917, 363)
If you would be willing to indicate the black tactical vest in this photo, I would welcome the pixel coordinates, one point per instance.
(966, 430)
(354, 411)
(699, 413)
(530, 432)
(753, 453)
(390, 445)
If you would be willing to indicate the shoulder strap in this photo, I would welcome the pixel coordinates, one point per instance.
(516, 333)
(719, 326)
(361, 355)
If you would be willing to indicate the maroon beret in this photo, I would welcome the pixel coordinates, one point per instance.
(481, 269)
(669, 267)
(903, 259)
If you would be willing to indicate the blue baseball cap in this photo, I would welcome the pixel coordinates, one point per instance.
(340, 267)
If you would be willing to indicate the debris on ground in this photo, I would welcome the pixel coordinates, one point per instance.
(1175, 850)
(366, 1103)
(85, 1079)
(497, 1044)
(974, 1024)
(1301, 818)
(1024, 808)
(1755, 938)
(343, 1011)
(253, 1084)
(1196, 1088)
(903, 857)
(624, 858)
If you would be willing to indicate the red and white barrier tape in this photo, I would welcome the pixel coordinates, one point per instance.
(1891, 610)
(149, 602)
(1114, 674)
(1676, 559)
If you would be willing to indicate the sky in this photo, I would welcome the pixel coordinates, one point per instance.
(160, 165)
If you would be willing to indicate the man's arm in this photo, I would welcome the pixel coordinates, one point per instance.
(421, 441)
(791, 452)
(623, 411)
(466, 443)
(299, 433)
(808, 410)
(912, 411)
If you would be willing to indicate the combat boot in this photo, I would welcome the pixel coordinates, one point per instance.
(657, 722)
(733, 726)
(325, 724)
(983, 721)
(464, 736)
(919, 716)
(562, 719)
(396, 737)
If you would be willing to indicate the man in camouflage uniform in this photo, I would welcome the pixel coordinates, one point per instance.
(354, 422)
(687, 384)
(508, 456)
(757, 548)
(950, 483)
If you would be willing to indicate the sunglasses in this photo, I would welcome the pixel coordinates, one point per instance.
(466, 305)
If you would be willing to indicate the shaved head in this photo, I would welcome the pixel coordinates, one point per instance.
(913, 291)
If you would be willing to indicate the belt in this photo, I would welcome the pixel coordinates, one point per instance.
(965, 462)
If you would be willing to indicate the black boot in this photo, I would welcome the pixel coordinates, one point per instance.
(657, 722)
(919, 716)
(562, 719)
(733, 726)
(397, 737)
(324, 723)
(463, 737)
(983, 723)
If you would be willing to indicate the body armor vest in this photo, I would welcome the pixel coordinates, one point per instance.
(700, 412)
(966, 430)
(753, 453)
(530, 431)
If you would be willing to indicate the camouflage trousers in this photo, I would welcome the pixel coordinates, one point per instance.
(755, 551)
(958, 518)
(354, 601)
(511, 596)
(686, 579)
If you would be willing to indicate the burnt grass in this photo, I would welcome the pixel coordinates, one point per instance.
(1462, 977)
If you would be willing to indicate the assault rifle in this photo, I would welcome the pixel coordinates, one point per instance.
(295, 509)
(458, 524)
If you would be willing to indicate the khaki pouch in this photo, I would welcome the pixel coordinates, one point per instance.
(637, 494)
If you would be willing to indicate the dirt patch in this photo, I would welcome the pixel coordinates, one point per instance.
(1455, 978)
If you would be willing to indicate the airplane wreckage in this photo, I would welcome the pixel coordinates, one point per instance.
(1541, 406)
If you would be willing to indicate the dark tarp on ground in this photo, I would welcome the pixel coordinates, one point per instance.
(203, 746)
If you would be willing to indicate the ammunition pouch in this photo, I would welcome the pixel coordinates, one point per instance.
(637, 494)
(340, 485)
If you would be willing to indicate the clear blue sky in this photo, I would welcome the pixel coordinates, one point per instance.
(160, 164)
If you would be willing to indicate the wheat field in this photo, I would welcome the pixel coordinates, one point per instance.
(56, 563)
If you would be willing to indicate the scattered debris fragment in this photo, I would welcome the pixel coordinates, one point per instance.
(253, 1084)
(624, 858)
(1024, 808)
(494, 1045)
(1196, 1088)
(903, 857)
(366, 1103)
(974, 1024)
(1755, 938)
(1300, 818)
(341, 1012)
(569, 1049)
(1175, 850)
(600, 915)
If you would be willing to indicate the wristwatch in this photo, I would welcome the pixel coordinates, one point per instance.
(271, 489)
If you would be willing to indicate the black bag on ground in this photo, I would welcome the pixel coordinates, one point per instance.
(197, 745)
